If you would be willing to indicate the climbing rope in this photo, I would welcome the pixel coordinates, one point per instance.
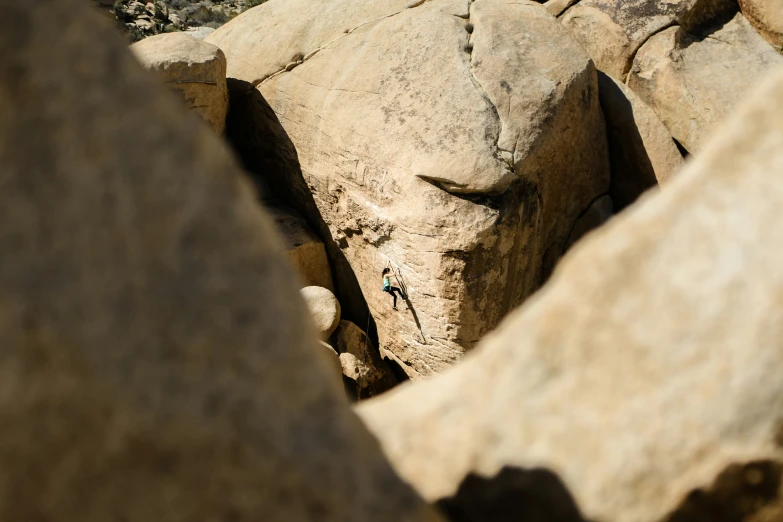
(397, 275)
(367, 335)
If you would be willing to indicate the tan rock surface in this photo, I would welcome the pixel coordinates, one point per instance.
(466, 190)
(156, 361)
(196, 69)
(646, 374)
(556, 7)
(305, 249)
(611, 31)
(641, 149)
(361, 361)
(767, 17)
(693, 82)
(324, 309)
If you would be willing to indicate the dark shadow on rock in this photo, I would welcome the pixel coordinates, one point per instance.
(741, 492)
(632, 170)
(514, 494)
(268, 154)
(404, 287)
(682, 149)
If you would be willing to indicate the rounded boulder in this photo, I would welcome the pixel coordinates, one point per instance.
(324, 309)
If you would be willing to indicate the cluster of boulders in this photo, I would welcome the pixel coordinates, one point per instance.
(563, 122)
(548, 128)
(357, 359)
(142, 19)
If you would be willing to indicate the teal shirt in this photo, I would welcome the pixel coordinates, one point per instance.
(386, 281)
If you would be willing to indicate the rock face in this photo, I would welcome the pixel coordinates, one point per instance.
(767, 17)
(324, 309)
(642, 151)
(468, 192)
(646, 374)
(156, 361)
(361, 361)
(692, 82)
(194, 68)
(305, 250)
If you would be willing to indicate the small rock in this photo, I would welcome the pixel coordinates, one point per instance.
(361, 362)
(324, 309)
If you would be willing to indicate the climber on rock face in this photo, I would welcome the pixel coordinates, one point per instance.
(388, 288)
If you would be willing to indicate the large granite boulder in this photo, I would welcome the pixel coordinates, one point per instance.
(647, 374)
(196, 69)
(692, 81)
(156, 361)
(767, 17)
(457, 142)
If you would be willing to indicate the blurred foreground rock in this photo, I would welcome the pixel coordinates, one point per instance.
(156, 363)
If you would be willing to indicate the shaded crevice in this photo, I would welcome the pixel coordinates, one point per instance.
(568, 237)
(299, 60)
